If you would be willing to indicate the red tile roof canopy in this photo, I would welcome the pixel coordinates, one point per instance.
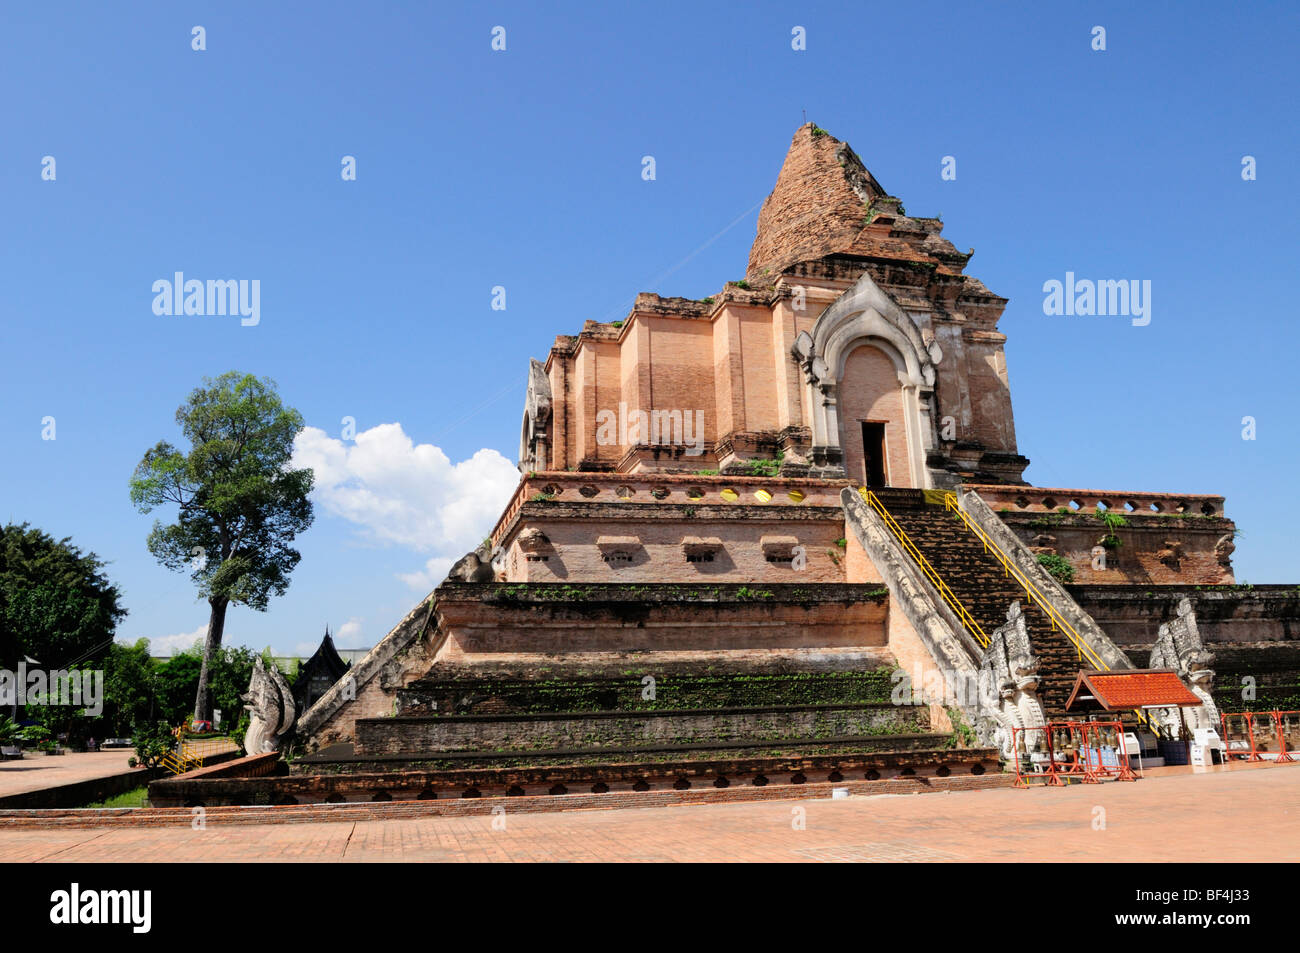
(1131, 688)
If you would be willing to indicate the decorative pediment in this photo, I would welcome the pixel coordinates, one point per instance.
(537, 418)
(866, 313)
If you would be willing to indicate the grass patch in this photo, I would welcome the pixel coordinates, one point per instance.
(136, 797)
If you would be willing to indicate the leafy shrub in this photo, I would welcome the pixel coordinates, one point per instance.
(152, 743)
(1058, 566)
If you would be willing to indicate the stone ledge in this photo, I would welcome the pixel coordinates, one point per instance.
(473, 807)
(562, 593)
(619, 758)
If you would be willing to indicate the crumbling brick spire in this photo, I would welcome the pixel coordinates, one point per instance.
(819, 205)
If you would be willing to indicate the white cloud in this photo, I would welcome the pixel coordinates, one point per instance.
(434, 572)
(397, 491)
(165, 645)
(347, 631)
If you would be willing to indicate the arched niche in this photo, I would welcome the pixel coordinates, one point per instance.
(866, 317)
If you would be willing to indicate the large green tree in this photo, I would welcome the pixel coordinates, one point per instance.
(56, 603)
(239, 502)
(130, 698)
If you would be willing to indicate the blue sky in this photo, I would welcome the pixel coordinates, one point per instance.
(522, 169)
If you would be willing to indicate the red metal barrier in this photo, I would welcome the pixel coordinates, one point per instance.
(1073, 750)
(1284, 754)
(1258, 726)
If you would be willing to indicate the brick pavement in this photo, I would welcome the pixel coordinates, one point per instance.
(35, 771)
(1243, 815)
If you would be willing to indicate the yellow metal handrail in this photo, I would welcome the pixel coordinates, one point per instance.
(189, 755)
(1031, 591)
(918, 557)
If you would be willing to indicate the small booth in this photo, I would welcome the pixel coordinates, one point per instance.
(1096, 693)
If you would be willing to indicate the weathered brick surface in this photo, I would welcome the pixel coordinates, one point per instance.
(614, 729)
(452, 690)
(572, 624)
(819, 205)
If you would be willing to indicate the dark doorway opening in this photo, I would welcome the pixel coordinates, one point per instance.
(873, 454)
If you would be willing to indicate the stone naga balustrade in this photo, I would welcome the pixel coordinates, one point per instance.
(1039, 499)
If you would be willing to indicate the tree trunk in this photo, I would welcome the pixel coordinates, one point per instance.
(216, 627)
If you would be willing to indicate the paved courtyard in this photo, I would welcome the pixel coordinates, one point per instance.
(1239, 815)
(34, 771)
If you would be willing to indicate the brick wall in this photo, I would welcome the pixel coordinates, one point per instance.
(625, 729)
(573, 622)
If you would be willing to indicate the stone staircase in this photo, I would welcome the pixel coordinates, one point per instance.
(979, 581)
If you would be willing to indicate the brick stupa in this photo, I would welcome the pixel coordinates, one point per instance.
(691, 584)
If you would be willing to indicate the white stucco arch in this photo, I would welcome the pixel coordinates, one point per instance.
(865, 315)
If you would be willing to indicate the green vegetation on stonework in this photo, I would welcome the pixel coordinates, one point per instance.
(708, 300)
(819, 131)
(963, 735)
(1113, 521)
(541, 498)
(742, 284)
(1045, 521)
(617, 324)
(1058, 566)
(523, 592)
(670, 692)
(767, 468)
(825, 725)
(1267, 698)
(842, 543)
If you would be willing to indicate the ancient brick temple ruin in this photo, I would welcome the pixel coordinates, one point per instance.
(739, 517)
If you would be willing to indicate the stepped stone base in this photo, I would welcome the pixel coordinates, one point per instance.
(791, 772)
(621, 730)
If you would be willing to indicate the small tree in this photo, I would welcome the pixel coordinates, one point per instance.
(240, 504)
